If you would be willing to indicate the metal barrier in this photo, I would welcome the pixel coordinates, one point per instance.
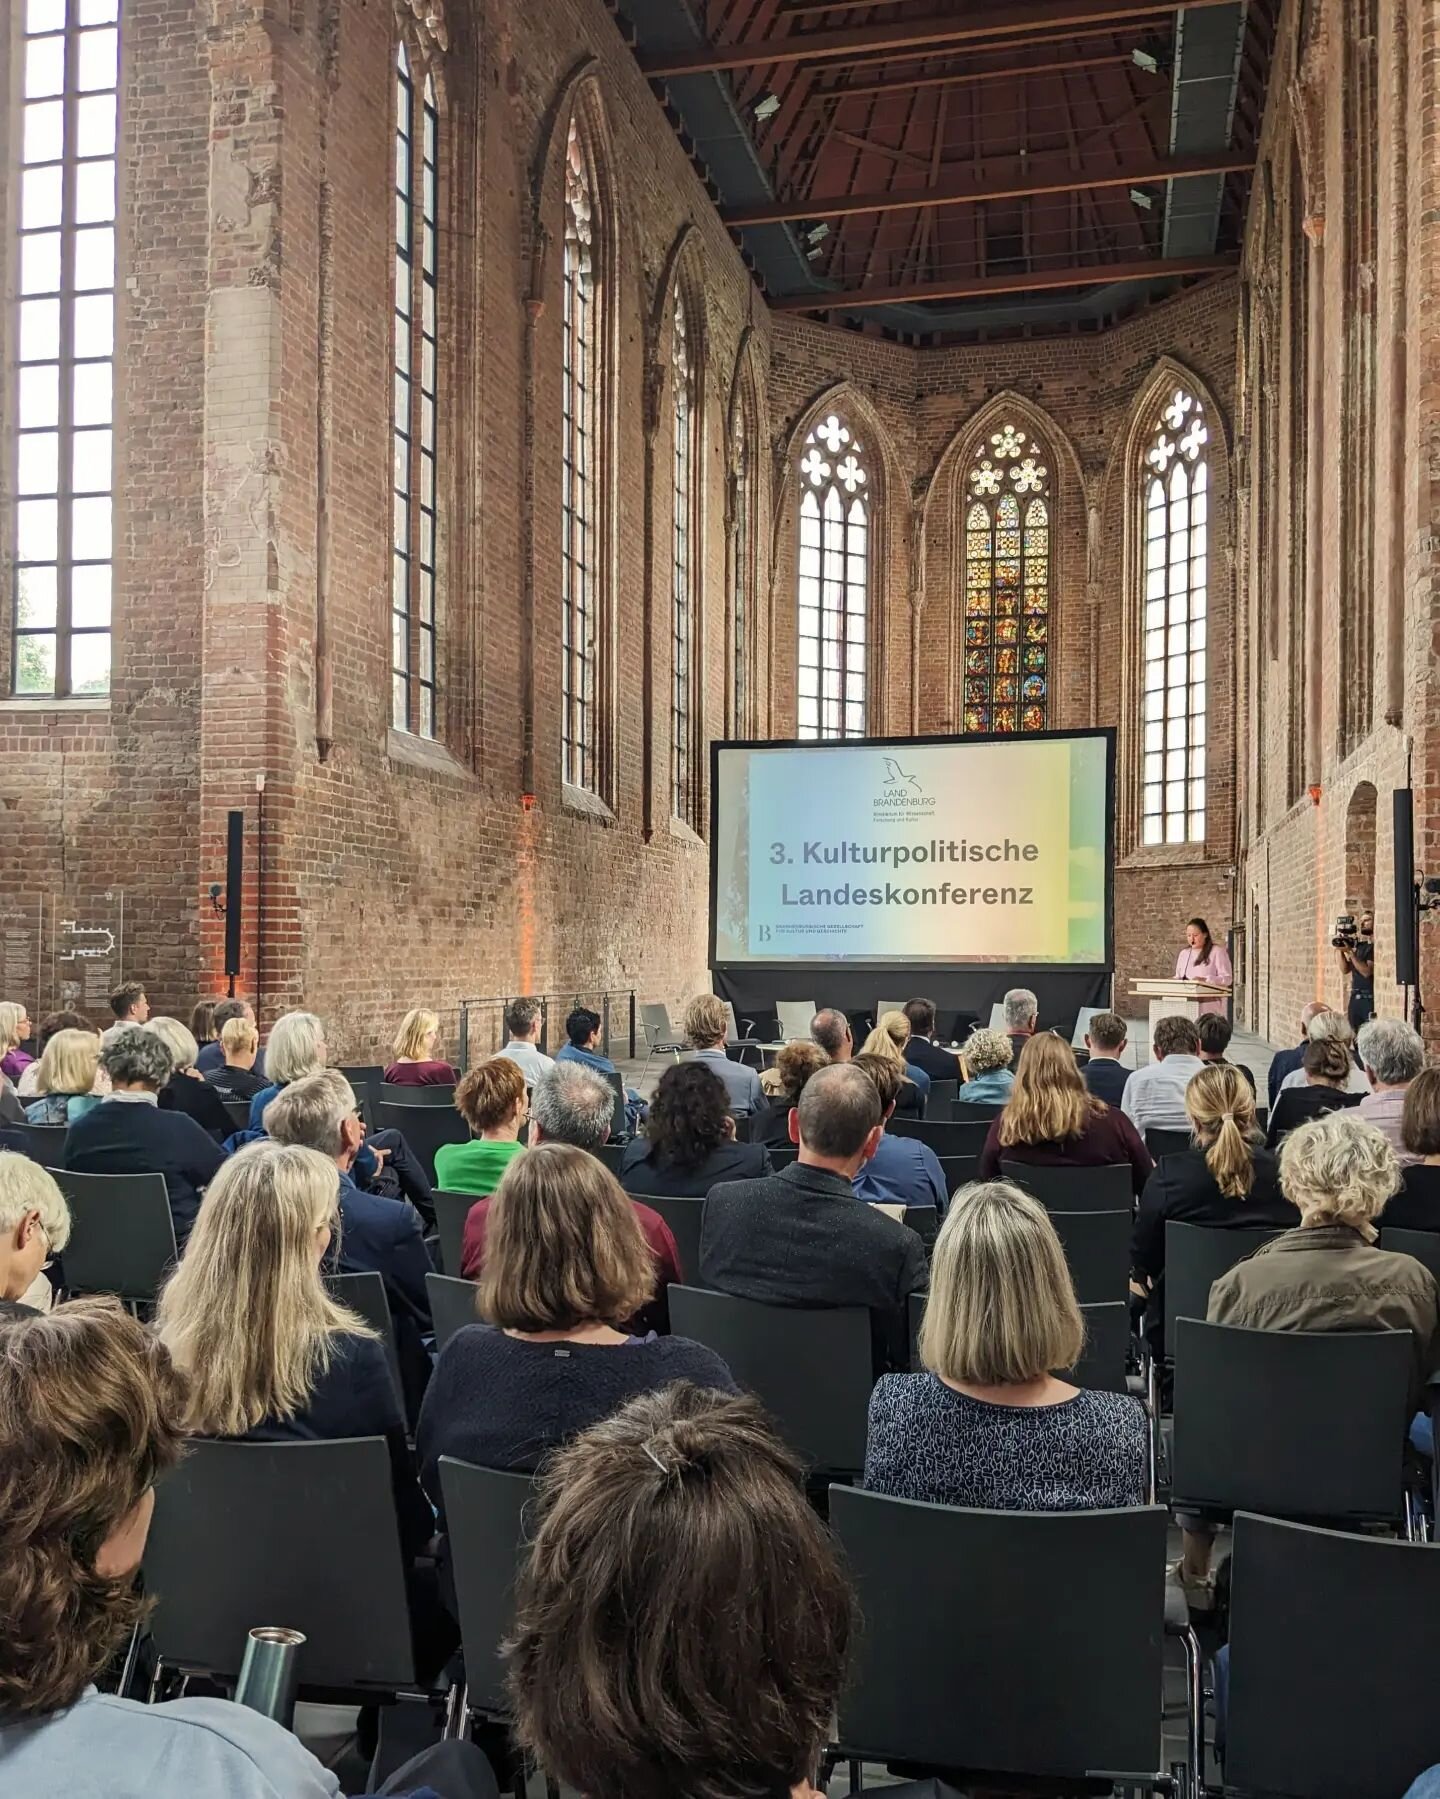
(482, 1021)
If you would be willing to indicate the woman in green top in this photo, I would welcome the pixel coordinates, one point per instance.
(491, 1100)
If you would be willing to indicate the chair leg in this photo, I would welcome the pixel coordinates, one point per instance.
(857, 1775)
(457, 1711)
(152, 1697)
(127, 1671)
(1195, 1712)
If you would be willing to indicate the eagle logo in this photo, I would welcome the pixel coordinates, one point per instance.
(895, 776)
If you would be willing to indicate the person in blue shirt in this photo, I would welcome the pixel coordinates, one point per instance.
(582, 1029)
(988, 1055)
(903, 1171)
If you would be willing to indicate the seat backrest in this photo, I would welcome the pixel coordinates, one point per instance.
(732, 1025)
(925, 1222)
(939, 1100)
(782, 1158)
(452, 1306)
(619, 1117)
(1336, 1619)
(1295, 1424)
(972, 1111)
(923, 1691)
(1196, 1255)
(238, 1112)
(415, 1096)
(811, 1369)
(997, 1017)
(1108, 1188)
(1423, 1245)
(684, 1217)
(122, 1234)
(424, 1128)
(1167, 1143)
(1097, 1251)
(365, 1293)
(959, 1171)
(365, 1079)
(219, 1567)
(944, 1135)
(451, 1211)
(795, 1017)
(485, 1525)
(610, 1154)
(658, 1028)
(47, 1141)
(1102, 1361)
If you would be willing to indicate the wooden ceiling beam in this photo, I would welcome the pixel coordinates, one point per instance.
(862, 42)
(1089, 274)
(902, 84)
(1060, 180)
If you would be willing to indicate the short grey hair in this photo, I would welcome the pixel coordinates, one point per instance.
(1338, 1169)
(310, 1111)
(573, 1104)
(176, 1038)
(829, 1029)
(985, 1050)
(1391, 1050)
(293, 1051)
(27, 1187)
(1021, 1008)
(135, 1057)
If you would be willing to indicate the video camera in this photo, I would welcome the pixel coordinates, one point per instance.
(1347, 936)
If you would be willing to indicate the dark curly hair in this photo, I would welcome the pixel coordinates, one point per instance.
(90, 1415)
(687, 1115)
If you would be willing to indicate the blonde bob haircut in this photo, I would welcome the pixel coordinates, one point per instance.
(296, 1047)
(889, 1038)
(177, 1039)
(246, 1315)
(1049, 1102)
(10, 1015)
(1338, 1169)
(69, 1063)
(26, 1187)
(563, 1245)
(1002, 1307)
(412, 1039)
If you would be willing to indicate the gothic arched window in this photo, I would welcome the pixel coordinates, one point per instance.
(1007, 584)
(581, 378)
(834, 581)
(684, 559)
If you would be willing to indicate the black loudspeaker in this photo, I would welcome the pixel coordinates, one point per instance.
(234, 887)
(1407, 948)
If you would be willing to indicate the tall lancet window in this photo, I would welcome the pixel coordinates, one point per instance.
(834, 582)
(1007, 584)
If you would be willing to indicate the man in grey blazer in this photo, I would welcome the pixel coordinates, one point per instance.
(705, 1031)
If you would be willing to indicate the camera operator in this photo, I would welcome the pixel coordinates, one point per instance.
(1357, 959)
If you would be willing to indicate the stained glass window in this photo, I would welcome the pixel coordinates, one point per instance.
(1007, 585)
(834, 582)
(683, 566)
(578, 413)
(65, 346)
(413, 495)
(1175, 526)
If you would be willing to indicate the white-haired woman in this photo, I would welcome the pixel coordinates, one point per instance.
(989, 1424)
(34, 1225)
(14, 1030)
(987, 1055)
(186, 1090)
(65, 1085)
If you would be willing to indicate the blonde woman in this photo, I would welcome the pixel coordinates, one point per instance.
(66, 1078)
(987, 1056)
(34, 1226)
(247, 1318)
(1052, 1120)
(888, 1039)
(416, 1050)
(1229, 1180)
(14, 1030)
(186, 1090)
(296, 1048)
(989, 1423)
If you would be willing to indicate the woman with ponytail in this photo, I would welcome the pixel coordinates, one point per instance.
(1228, 1180)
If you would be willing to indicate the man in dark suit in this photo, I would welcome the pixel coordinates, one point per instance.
(922, 1051)
(802, 1238)
(1286, 1061)
(127, 1133)
(1105, 1075)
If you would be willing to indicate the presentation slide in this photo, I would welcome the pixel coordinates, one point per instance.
(933, 850)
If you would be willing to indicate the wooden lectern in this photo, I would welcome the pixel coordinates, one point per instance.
(1171, 999)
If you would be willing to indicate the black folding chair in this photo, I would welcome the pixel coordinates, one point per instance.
(485, 1527)
(414, 1096)
(939, 1099)
(424, 1128)
(684, 1217)
(1102, 1361)
(366, 1079)
(451, 1211)
(122, 1235)
(238, 1112)
(963, 1701)
(1097, 1250)
(619, 1117)
(46, 1141)
(959, 1171)
(1423, 1245)
(610, 1154)
(218, 1566)
(1307, 1425)
(1106, 1189)
(1332, 1662)
(1167, 1143)
(365, 1293)
(973, 1111)
(782, 1158)
(944, 1136)
(452, 1306)
(925, 1222)
(811, 1369)
(1196, 1255)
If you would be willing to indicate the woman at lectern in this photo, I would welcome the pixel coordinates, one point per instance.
(1203, 959)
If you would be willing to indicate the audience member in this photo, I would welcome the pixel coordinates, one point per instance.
(127, 1133)
(1391, 1053)
(682, 1616)
(1326, 1069)
(903, 1171)
(1054, 1121)
(921, 1049)
(1284, 1062)
(566, 1266)
(415, 1049)
(130, 1006)
(50, 1026)
(296, 1048)
(212, 1054)
(802, 1238)
(582, 1042)
(1215, 1030)
(1328, 1026)
(1022, 1010)
(92, 1413)
(11, 1111)
(1105, 1074)
(987, 1057)
(705, 1032)
(1154, 1097)
(14, 1030)
(794, 1065)
(1228, 1180)
(269, 1354)
(187, 1090)
(988, 1424)
(34, 1225)
(689, 1141)
(65, 1082)
(237, 1079)
(493, 1102)
(830, 1031)
(202, 1023)
(888, 1039)
(523, 1019)
(1416, 1207)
